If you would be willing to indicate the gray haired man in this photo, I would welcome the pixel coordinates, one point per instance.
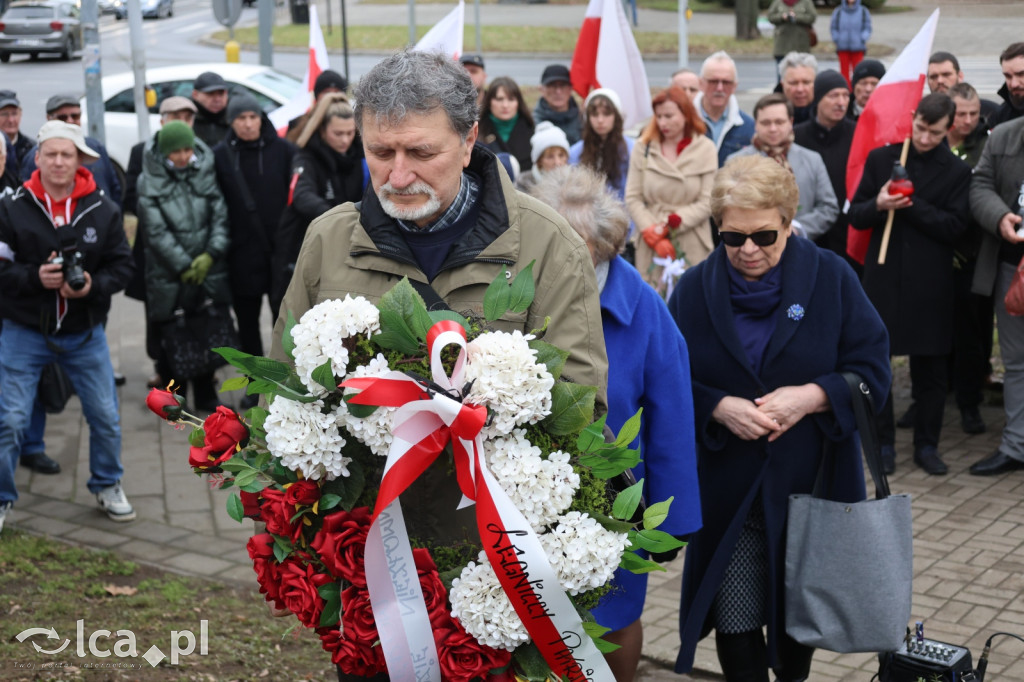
(797, 72)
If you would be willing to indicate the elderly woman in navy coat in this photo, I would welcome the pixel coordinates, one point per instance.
(771, 321)
(647, 368)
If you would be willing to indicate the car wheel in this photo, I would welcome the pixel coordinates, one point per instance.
(33, 56)
(69, 49)
(5, 57)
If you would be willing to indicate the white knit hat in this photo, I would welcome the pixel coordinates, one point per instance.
(612, 96)
(547, 135)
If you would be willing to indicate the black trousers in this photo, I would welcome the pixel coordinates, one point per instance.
(929, 380)
(973, 322)
(744, 657)
(247, 311)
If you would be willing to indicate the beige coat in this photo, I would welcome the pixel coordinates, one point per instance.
(656, 187)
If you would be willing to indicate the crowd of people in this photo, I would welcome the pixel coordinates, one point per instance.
(430, 170)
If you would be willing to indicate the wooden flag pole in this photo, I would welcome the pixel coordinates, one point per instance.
(892, 213)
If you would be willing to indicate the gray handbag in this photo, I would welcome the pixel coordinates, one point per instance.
(849, 566)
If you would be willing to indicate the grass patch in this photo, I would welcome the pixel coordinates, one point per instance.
(44, 584)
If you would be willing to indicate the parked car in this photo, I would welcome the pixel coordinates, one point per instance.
(151, 9)
(33, 28)
(270, 87)
(108, 6)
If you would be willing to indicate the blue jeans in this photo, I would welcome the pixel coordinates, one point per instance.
(86, 358)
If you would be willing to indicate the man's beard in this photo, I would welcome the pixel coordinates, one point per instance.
(409, 213)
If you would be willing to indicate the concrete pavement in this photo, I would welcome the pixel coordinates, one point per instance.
(969, 531)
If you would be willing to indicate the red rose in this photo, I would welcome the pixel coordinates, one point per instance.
(223, 431)
(207, 460)
(462, 658)
(277, 514)
(165, 404)
(250, 504)
(357, 615)
(435, 596)
(673, 221)
(268, 571)
(358, 658)
(303, 493)
(341, 543)
(299, 585)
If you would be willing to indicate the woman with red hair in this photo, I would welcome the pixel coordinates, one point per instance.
(668, 187)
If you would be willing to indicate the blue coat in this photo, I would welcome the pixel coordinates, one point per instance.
(851, 27)
(648, 368)
(837, 330)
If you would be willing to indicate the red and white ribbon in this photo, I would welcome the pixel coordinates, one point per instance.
(423, 424)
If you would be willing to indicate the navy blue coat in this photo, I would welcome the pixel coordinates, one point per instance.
(837, 331)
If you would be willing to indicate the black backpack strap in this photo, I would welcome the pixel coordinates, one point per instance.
(430, 297)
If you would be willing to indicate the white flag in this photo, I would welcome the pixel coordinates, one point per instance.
(318, 63)
(446, 35)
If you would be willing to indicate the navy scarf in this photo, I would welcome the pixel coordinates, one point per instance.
(753, 310)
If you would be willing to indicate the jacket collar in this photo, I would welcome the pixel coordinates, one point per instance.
(614, 298)
(733, 119)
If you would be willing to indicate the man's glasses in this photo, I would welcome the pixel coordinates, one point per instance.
(760, 238)
(69, 118)
(719, 83)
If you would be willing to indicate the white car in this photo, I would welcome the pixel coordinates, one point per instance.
(270, 87)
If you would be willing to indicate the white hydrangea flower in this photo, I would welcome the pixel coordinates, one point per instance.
(483, 608)
(373, 431)
(540, 488)
(508, 380)
(306, 439)
(320, 333)
(583, 552)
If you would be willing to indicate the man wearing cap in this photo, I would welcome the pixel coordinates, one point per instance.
(728, 127)
(66, 108)
(254, 172)
(830, 133)
(865, 79)
(210, 94)
(49, 318)
(327, 82)
(557, 104)
(10, 123)
(474, 66)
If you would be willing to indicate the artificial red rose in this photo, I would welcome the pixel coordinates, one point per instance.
(207, 460)
(341, 541)
(435, 596)
(674, 221)
(268, 571)
(250, 504)
(303, 493)
(223, 431)
(330, 639)
(462, 658)
(357, 615)
(277, 514)
(299, 590)
(358, 658)
(165, 404)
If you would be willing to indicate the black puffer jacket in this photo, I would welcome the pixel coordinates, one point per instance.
(209, 127)
(254, 178)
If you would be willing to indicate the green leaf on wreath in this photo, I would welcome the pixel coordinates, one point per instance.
(627, 501)
(235, 357)
(357, 410)
(591, 439)
(287, 342)
(395, 334)
(235, 508)
(596, 631)
(282, 548)
(438, 315)
(634, 563)
(498, 296)
(347, 488)
(614, 525)
(629, 431)
(530, 664)
(246, 477)
(197, 438)
(653, 540)
(331, 614)
(328, 502)
(403, 300)
(572, 408)
(324, 375)
(256, 416)
(553, 357)
(258, 386)
(235, 464)
(655, 514)
(269, 369)
(233, 384)
(523, 290)
(608, 463)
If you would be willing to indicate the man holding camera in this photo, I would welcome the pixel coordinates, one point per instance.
(63, 254)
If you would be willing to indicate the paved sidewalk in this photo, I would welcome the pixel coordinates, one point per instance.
(969, 531)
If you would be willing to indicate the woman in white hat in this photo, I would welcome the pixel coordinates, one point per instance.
(549, 149)
(604, 149)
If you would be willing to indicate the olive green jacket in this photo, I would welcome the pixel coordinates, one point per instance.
(791, 36)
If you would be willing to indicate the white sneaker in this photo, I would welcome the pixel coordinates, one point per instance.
(113, 501)
(5, 511)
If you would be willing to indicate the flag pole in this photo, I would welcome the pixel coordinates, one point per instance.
(892, 212)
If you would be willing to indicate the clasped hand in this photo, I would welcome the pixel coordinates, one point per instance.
(891, 202)
(772, 414)
(51, 276)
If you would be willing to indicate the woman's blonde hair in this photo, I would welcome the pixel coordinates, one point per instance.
(332, 105)
(754, 182)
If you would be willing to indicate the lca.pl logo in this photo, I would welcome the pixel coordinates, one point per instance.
(182, 643)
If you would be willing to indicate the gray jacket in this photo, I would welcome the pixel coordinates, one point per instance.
(995, 189)
(818, 209)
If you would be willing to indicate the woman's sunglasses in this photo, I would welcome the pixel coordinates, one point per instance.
(760, 238)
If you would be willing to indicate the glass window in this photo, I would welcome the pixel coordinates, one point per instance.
(29, 12)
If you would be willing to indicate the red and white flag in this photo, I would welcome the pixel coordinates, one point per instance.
(888, 117)
(318, 63)
(446, 35)
(606, 56)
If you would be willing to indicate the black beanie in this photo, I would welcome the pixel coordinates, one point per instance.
(240, 104)
(329, 79)
(868, 67)
(827, 81)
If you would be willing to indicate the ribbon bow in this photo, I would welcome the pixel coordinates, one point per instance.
(673, 270)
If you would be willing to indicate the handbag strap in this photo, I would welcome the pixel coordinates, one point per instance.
(860, 396)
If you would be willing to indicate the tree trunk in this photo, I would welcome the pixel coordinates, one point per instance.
(746, 20)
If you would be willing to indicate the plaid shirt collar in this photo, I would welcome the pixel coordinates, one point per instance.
(464, 200)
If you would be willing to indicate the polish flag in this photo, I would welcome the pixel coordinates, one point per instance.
(606, 56)
(888, 118)
(318, 63)
(446, 35)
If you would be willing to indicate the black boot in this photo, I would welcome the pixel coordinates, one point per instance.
(794, 660)
(743, 656)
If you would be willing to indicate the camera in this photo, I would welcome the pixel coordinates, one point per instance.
(71, 260)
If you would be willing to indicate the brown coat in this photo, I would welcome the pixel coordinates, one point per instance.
(656, 187)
